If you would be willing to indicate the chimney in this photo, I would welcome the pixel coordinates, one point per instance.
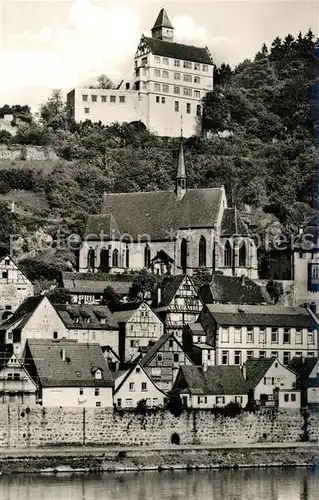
(62, 353)
(242, 279)
(159, 295)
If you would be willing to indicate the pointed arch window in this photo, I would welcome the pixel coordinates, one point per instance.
(184, 255)
(104, 260)
(147, 255)
(242, 255)
(228, 254)
(91, 260)
(115, 258)
(202, 251)
(127, 257)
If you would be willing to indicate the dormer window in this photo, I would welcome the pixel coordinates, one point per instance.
(98, 375)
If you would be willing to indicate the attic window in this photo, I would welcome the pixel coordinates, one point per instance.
(98, 375)
(138, 369)
(7, 262)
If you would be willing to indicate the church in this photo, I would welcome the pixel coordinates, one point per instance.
(168, 232)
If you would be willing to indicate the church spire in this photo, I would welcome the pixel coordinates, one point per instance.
(181, 178)
(163, 29)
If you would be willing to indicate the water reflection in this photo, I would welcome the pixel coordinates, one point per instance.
(243, 484)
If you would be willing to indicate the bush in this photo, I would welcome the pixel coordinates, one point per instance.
(5, 137)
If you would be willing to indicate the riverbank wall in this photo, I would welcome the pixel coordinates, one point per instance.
(34, 427)
(143, 459)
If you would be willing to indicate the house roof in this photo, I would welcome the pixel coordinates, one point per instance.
(16, 265)
(256, 369)
(76, 316)
(128, 374)
(23, 313)
(158, 214)
(310, 233)
(153, 350)
(232, 290)
(232, 224)
(96, 282)
(169, 287)
(101, 226)
(219, 380)
(78, 370)
(263, 316)
(179, 51)
(196, 328)
(162, 256)
(303, 367)
(162, 20)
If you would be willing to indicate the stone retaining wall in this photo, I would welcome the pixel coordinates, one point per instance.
(36, 427)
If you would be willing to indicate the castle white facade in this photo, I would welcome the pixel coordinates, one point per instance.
(168, 81)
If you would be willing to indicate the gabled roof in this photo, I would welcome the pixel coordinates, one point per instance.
(263, 316)
(256, 369)
(154, 349)
(232, 290)
(96, 282)
(158, 214)
(76, 316)
(104, 224)
(232, 224)
(16, 266)
(219, 380)
(178, 51)
(162, 20)
(162, 256)
(23, 313)
(169, 288)
(78, 370)
(302, 367)
(129, 373)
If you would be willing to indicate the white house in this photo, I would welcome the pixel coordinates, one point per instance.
(134, 385)
(15, 287)
(210, 387)
(16, 385)
(69, 373)
(307, 370)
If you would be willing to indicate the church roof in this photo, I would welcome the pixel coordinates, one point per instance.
(232, 223)
(181, 170)
(158, 214)
(162, 20)
(178, 51)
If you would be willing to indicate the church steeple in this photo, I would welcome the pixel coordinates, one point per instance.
(163, 29)
(181, 178)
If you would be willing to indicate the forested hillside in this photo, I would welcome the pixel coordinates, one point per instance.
(258, 140)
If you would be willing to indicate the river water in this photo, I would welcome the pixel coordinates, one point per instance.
(242, 484)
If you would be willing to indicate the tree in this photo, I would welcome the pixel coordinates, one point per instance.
(103, 82)
(60, 296)
(143, 284)
(110, 297)
(54, 112)
(5, 137)
(275, 290)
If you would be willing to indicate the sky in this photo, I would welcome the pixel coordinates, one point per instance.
(64, 44)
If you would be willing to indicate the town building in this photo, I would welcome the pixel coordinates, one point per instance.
(214, 386)
(307, 370)
(16, 385)
(168, 79)
(223, 289)
(69, 374)
(271, 383)
(133, 386)
(163, 360)
(88, 288)
(239, 333)
(139, 327)
(15, 287)
(194, 227)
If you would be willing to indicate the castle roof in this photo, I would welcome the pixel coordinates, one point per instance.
(162, 20)
(178, 51)
(157, 214)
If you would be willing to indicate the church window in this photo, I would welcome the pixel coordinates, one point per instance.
(115, 258)
(184, 255)
(188, 108)
(147, 256)
(242, 255)
(176, 106)
(196, 79)
(202, 251)
(122, 98)
(104, 260)
(187, 91)
(228, 254)
(127, 257)
(91, 260)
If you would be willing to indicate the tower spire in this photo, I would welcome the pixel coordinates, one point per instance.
(181, 178)
(163, 29)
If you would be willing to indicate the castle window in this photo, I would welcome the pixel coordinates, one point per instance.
(187, 78)
(157, 87)
(198, 110)
(184, 255)
(144, 61)
(165, 74)
(94, 98)
(157, 72)
(205, 67)
(163, 100)
(196, 79)
(177, 76)
(188, 108)
(122, 98)
(104, 260)
(197, 94)
(157, 98)
(115, 258)
(157, 60)
(103, 98)
(242, 255)
(187, 91)
(147, 256)
(127, 86)
(112, 98)
(165, 60)
(228, 254)
(91, 260)
(177, 63)
(127, 257)
(187, 64)
(84, 98)
(202, 251)
(176, 106)
(86, 111)
(197, 66)
(166, 88)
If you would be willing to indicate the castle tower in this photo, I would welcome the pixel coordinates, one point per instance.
(181, 178)
(163, 29)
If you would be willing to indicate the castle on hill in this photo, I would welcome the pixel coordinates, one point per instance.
(167, 80)
(168, 232)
